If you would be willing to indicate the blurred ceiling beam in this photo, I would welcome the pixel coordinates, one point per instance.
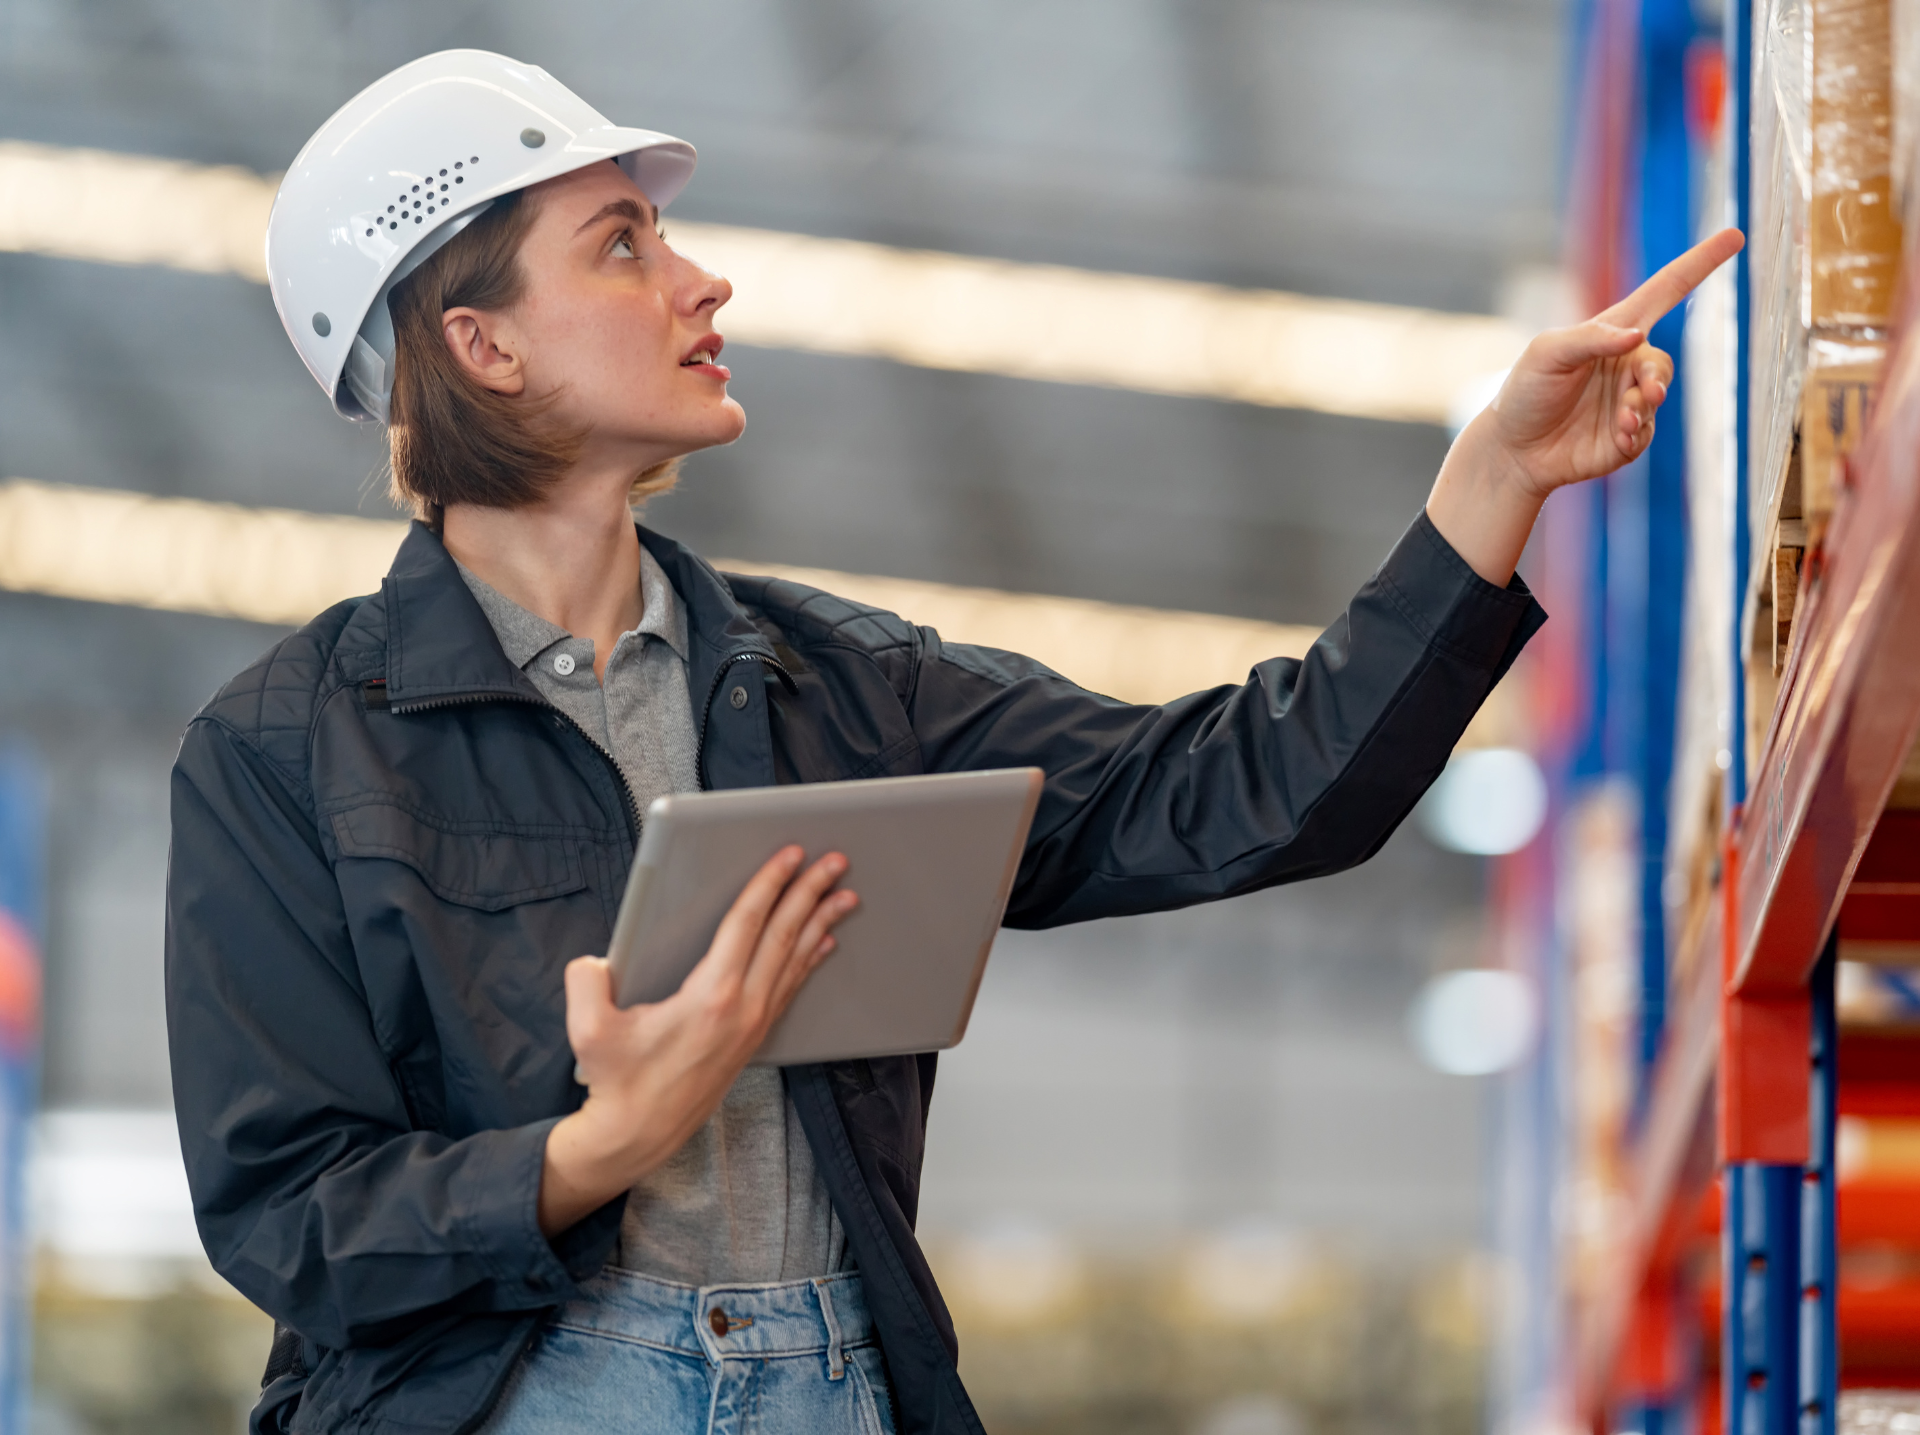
(839, 296)
(280, 566)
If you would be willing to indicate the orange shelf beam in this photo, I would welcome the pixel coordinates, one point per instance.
(1849, 707)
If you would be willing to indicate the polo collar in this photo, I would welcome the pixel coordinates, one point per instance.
(440, 646)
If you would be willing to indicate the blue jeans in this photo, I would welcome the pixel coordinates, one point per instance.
(647, 1356)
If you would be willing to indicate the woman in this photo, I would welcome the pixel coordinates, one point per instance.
(473, 1191)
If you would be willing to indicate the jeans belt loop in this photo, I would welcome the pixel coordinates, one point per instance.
(836, 1362)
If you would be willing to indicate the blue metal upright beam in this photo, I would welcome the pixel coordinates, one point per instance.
(1760, 1228)
(1738, 42)
(1667, 32)
(1760, 1359)
(1819, 1228)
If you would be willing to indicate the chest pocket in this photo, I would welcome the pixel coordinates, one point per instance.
(469, 864)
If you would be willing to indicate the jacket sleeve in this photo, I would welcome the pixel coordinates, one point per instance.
(1305, 769)
(313, 1195)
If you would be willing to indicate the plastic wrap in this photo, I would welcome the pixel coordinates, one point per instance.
(1826, 253)
(1906, 112)
(1782, 191)
(1703, 720)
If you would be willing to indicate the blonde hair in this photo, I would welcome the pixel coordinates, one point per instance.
(450, 438)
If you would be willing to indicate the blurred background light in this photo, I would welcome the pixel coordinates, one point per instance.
(840, 296)
(1474, 1023)
(1487, 802)
(274, 565)
(1250, 1415)
(108, 1195)
(1472, 397)
(1015, 1271)
(1247, 1270)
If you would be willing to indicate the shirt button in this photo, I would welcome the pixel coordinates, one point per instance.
(563, 665)
(717, 1319)
(738, 697)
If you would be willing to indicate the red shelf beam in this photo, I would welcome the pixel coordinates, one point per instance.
(1849, 710)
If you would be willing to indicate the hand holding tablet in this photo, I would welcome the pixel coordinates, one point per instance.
(933, 860)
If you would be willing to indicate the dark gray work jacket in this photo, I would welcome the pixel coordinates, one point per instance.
(386, 844)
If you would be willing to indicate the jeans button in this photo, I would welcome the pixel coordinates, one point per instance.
(717, 1318)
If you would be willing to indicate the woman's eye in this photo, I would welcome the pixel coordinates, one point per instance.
(623, 248)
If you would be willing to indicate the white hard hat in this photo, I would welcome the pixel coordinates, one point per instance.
(400, 169)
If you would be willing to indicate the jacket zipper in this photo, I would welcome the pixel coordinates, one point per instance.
(727, 665)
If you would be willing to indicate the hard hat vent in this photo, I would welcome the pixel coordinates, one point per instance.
(435, 192)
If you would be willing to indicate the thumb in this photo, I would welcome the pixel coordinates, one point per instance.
(1595, 339)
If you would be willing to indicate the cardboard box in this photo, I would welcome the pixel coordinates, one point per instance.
(1853, 231)
(1842, 373)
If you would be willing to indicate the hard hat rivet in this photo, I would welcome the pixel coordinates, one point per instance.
(322, 325)
(532, 139)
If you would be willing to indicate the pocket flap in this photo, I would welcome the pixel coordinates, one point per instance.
(488, 869)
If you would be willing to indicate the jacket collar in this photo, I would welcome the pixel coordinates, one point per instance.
(440, 646)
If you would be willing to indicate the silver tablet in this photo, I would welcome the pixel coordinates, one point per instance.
(933, 859)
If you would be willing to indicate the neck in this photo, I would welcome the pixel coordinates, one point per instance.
(573, 557)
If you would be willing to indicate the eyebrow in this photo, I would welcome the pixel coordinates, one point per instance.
(624, 208)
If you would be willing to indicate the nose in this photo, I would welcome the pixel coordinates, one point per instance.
(701, 290)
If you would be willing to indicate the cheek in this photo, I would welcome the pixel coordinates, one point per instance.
(603, 346)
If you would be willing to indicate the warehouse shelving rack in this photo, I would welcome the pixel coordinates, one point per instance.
(1735, 1144)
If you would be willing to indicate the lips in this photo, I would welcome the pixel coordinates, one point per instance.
(705, 356)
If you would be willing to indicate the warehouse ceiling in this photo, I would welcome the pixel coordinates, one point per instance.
(1404, 153)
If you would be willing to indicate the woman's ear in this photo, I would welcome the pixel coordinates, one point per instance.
(487, 349)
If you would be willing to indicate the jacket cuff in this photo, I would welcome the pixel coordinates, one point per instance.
(1453, 607)
(497, 1196)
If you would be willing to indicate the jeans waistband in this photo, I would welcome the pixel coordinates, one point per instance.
(826, 1313)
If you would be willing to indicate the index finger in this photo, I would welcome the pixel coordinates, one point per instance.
(1648, 304)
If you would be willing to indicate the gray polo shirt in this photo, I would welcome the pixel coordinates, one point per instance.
(741, 1201)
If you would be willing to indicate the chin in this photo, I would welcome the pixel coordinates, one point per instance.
(716, 431)
(729, 423)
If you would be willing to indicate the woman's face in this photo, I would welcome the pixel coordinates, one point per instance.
(616, 325)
